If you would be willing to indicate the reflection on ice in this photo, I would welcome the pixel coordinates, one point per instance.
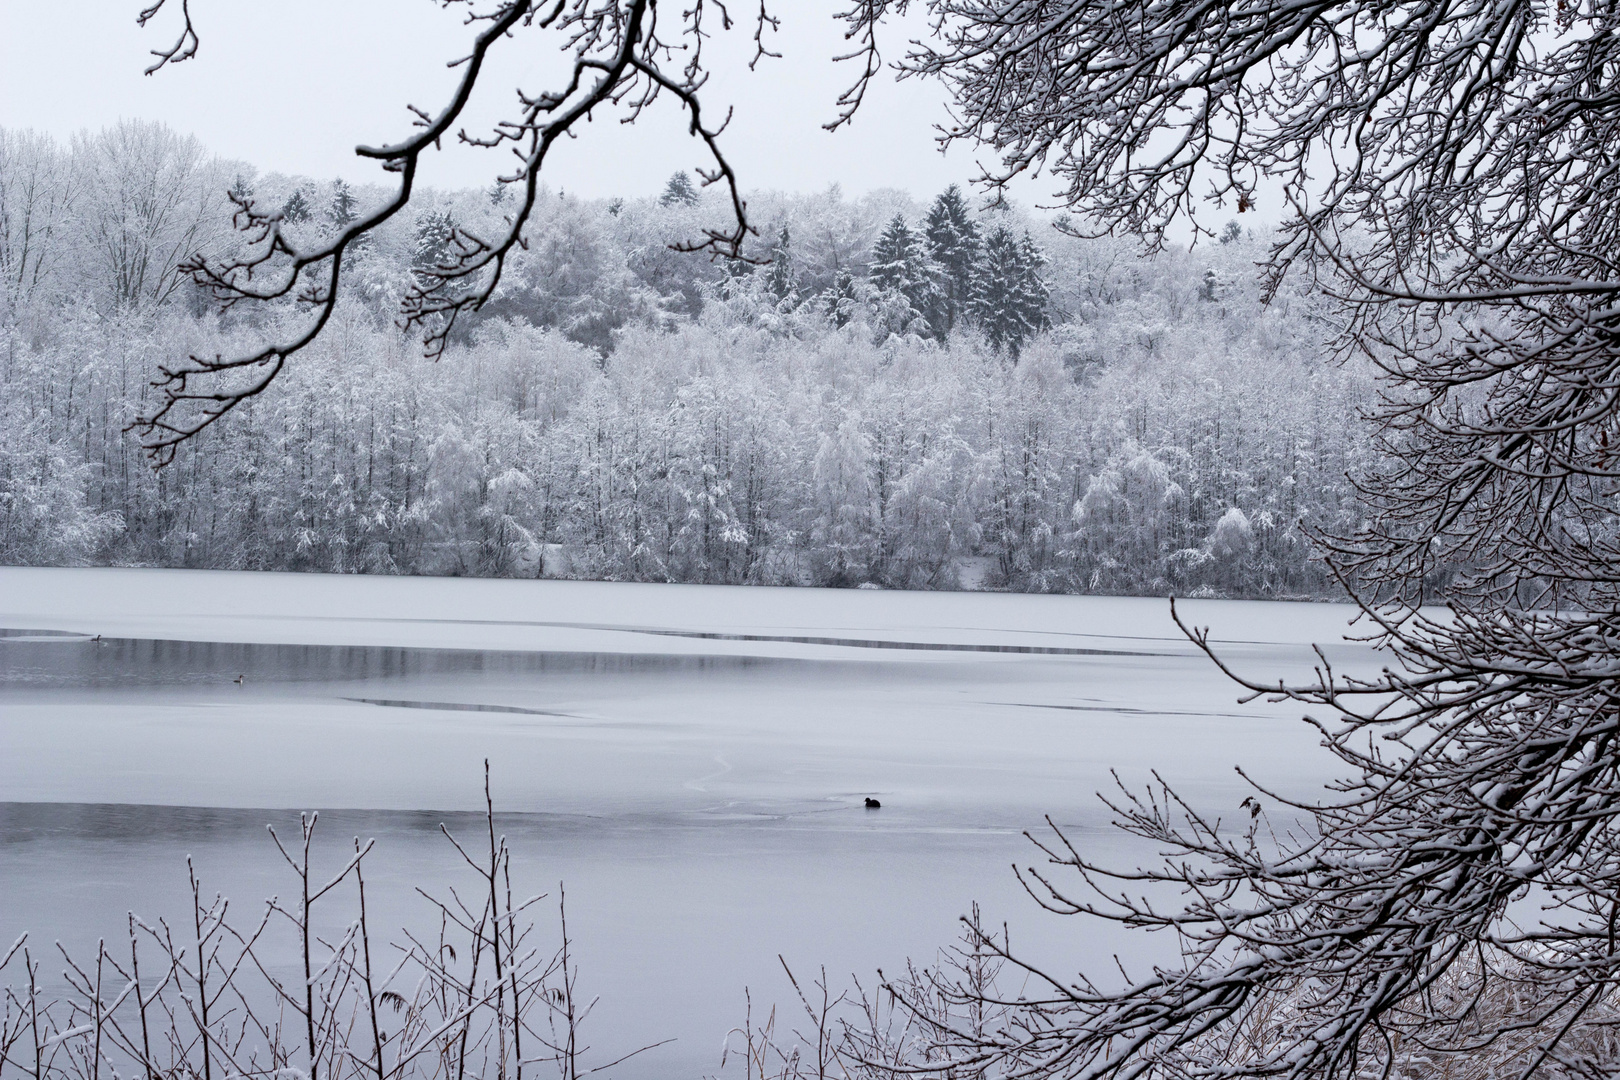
(455, 706)
(57, 659)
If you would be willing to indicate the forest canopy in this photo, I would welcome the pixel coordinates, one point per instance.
(907, 393)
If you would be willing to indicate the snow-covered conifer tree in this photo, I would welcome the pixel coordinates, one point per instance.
(782, 279)
(433, 231)
(955, 244)
(296, 209)
(1034, 294)
(1010, 303)
(904, 281)
(678, 190)
(341, 209)
(894, 257)
(843, 298)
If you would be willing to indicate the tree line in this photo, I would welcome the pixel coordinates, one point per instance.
(891, 394)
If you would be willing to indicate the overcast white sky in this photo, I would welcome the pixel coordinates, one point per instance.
(294, 85)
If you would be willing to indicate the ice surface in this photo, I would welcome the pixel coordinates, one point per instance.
(572, 616)
(691, 760)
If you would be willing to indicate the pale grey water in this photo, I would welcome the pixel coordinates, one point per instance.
(704, 811)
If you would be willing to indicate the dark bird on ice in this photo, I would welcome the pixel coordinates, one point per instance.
(240, 680)
(872, 804)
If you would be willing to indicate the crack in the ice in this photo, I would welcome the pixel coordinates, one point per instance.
(715, 635)
(697, 785)
(1121, 709)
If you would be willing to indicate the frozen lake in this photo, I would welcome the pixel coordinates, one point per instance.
(690, 761)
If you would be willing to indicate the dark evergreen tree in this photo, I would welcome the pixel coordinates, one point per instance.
(297, 209)
(1010, 302)
(903, 272)
(992, 300)
(342, 208)
(956, 246)
(678, 190)
(1233, 231)
(842, 298)
(434, 231)
(891, 255)
(1033, 292)
(342, 212)
(781, 279)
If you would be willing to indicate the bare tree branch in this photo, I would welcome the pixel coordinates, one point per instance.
(620, 60)
(1446, 170)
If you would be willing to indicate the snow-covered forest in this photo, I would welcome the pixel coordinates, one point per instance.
(919, 393)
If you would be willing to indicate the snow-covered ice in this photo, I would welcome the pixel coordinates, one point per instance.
(690, 760)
